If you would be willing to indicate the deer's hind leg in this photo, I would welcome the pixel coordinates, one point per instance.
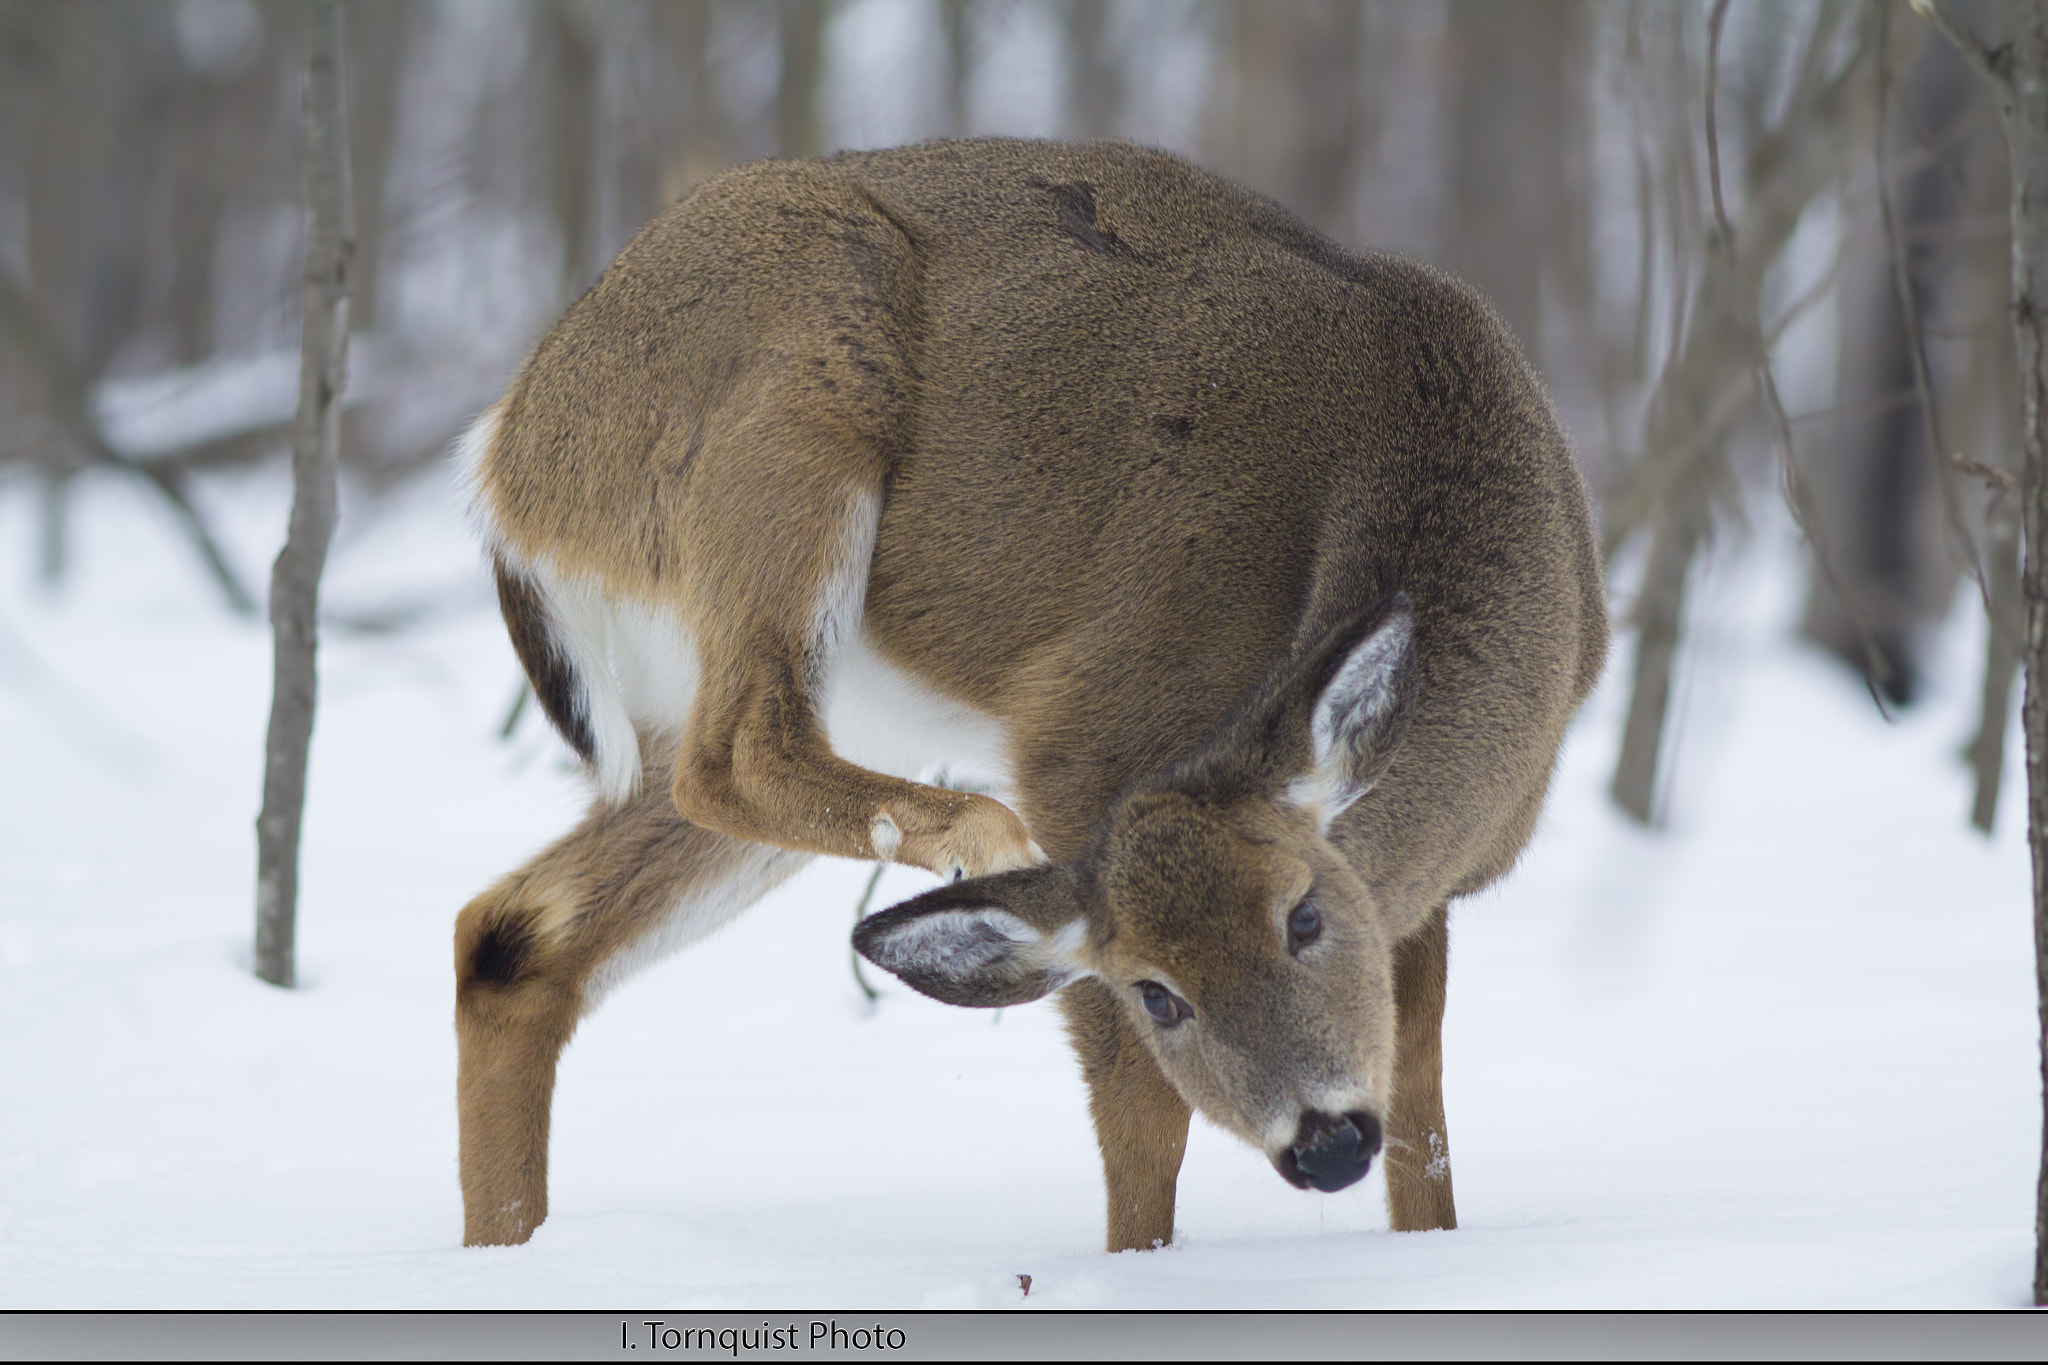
(776, 540)
(538, 950)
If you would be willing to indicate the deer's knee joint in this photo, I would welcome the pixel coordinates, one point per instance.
(499, 954)
(509, 937)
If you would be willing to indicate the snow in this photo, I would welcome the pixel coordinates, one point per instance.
(1780, 1054)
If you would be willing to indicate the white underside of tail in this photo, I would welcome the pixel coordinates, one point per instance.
(637, 666)
(606, 647)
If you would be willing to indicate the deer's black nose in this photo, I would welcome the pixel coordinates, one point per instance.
(1331, 1151)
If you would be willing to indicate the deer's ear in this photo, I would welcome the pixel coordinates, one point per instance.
(989, 942)
(1361, 715)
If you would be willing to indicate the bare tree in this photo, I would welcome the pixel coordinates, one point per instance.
(96, 73)
(958, 20)
(2016, 68)
(295, 579)
(801, 38)
(378, 32)
(1986, 750)
(1520, 116)
(568, 38)
(671, 140)
(1711, 379)
(1296, 106)
(1094, 80)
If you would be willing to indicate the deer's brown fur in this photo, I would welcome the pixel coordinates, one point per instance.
(1126, 464)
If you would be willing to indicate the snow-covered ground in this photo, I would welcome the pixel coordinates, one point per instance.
(1779, 1055)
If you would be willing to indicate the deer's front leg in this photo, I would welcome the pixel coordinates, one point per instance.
(1419, 1154)
(1140, 1121)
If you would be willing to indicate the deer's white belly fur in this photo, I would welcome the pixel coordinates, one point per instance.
(882, 718)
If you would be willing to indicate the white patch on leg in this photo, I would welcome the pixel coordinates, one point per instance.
(885, 838)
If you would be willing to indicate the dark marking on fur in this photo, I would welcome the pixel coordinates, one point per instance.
(500, 954)
(1075, 216)
(546, 663)
(1442, 377)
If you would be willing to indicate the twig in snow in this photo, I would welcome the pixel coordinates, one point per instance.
(860, 912)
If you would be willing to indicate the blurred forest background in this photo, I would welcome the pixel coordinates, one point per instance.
(1561, 156)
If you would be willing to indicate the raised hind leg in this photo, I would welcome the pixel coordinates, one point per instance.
(538, 950)
(707, 438)
(779, 534)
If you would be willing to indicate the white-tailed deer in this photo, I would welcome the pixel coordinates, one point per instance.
(1261, 568)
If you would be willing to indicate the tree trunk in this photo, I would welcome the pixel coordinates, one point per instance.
(801, 36)
(1659, 611)
(1878, 481)
(2001, 659)
(2024, 103)
(295, 579)
(959, 63)
(2017, 70)
(1522, 78)
(1094, 84)
(1705, 390)
(572, 141)
(378, 37)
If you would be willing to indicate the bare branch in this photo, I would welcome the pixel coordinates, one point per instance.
(70, 398)
(1999, 481)
(1979, 54)
(1798, 497)
(1714, 23)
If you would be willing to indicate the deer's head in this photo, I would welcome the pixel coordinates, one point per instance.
(1212, 905)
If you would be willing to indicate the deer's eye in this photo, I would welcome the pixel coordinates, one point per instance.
(1304, 926)
(1163, 1005)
